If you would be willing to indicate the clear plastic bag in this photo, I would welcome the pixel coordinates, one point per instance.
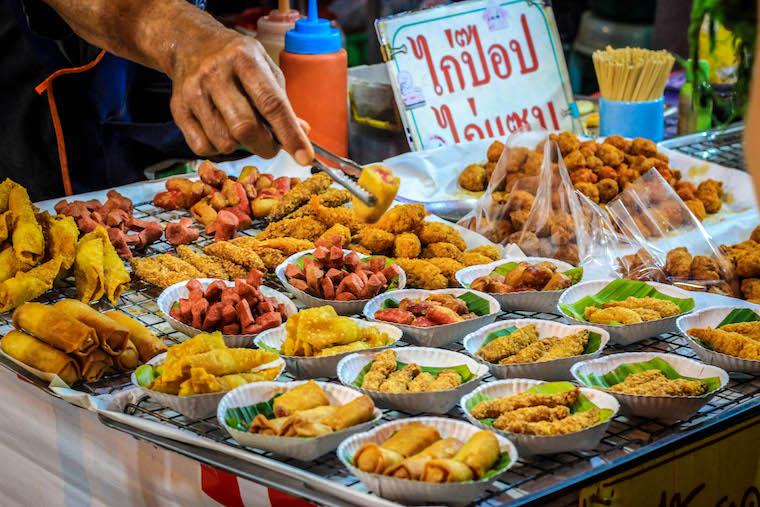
(668, 243)
(530, 201)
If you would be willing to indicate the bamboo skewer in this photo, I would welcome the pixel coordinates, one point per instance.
(632, 74)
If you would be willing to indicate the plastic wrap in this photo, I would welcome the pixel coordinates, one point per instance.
(531, 202)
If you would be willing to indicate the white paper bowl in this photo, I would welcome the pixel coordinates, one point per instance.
(711, 317)
(529, 301)
(304, 449)
(341, 307)
(197, 406)
(437, 402)
(177, 291)
(435, 336)
(585, 439)
(627, 333)
(412, 492)
(557, 369)
(314, 367)
(668, 408)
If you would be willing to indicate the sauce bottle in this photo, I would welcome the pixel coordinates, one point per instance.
(316, 79)
(271, 29)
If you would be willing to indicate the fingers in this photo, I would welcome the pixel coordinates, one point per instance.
(191, 129)
(271, 102)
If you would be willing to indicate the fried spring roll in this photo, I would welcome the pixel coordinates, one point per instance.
(307, 423)
(148, 345)
(446, 470)
(62, 239)
(40, 355)
(56, 327)
(302, 397)
(94, 365)
(29, 285)
(413, 466)
(480, 453)
(407, 441)
(115, 274)
(129, 357)
(88, 268)
(28, 240)
(264, 426)
(112, 336)
(354, 412)
(228, 361)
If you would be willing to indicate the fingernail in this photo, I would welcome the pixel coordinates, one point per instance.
(302, 157)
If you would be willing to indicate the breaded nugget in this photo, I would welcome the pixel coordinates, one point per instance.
(376, 240)
(300, 228)
(438, 232)
(445, 380)
(441, 249)
(498, 406)
(422, 274)
(611, 315)
(569, 424)
(339, 231)
(532, 414)
(407, 245)
(402, 218)
(448, 267)
(678, 262)
(421, 383)
(343, 215)
(473, 259)
(654, 383)
(473, 178)
(494, 151)
(235, 253)
(300, 194)
(203, 263)
(490, 251)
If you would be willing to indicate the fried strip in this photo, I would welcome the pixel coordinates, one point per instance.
(498, 406)
(300, 194)
(203, 263)
(237, 254)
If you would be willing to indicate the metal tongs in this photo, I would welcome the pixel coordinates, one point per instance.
(342, 176)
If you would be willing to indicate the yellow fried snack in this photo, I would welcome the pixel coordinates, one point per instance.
(62, 239)
(115, 274)
(376, 240)
(531, 353)
(498, 406)
(202, 382)
(9, 264)
(373, 337)
(422, 274)
(203, 263)
(300, 194)
(728, 342)
(25, 286)
(413, 466)
(342, 349)
(313, 329)
(402, 218)
(237, 254)
(654, 383)
(407, 245)
(663, 307)
(5, 228)
(473, 460)
(382, 365)
(37, 354)
(438, 232)
(531, 414)
(302, 228)
(89, 272)
(490, 251)
(227, 361)
(567, 346)
(748, 329)
(569, 424)
(506, 346)
(407, 441)
(152, 270)
(421, 383)
(448, 267)
(198, 344)
(614, 315)
(27, 238)
(5, 192)
(447, 379)
(380, 181)
(337, 232)
(398, 381)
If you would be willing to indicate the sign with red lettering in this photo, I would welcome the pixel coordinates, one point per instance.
(476, 70)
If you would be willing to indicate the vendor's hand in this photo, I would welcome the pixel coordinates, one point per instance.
(226, 90)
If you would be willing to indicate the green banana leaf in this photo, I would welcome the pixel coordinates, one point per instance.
(475, 304)
(582, 404)
(575, 274)
(620, 290)
(594, 339)
(739, 315)
(240, 418)
(390, 303)
(462, 369)
(145, 375)
(620, 373)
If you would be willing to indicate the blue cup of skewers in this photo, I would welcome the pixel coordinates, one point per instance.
(632, 119)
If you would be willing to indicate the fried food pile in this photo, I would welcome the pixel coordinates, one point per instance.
(203, 364)
(241, 309)
(331, 274)
(384, 375)
(475, 177)
(745, 258)
(318, 332)
(116, 215)
(434, 310)
(417, 452)
(305, 411)
(525, 346)
(654, 383)
(76, 342)
(739, 340)
(523, 276)
(631, 311)
(537, 414)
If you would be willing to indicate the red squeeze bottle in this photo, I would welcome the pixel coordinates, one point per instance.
(316, 79)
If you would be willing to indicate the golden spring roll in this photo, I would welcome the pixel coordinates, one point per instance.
(354, 412)
(62, 234)
(302, 397)
(148, 344)
(29, 285)
(5, 192)
(37, 354)
(413, 466)
(9, 264)
(407, 441)
(198, 344)
(5, 230)
(88, 268)
(129, 357)
(94, 365)
(264, 426)
(112, 336)
(228, 361)
(446, 470)
(56, 327)
(27, 238)
(306, 423)
(115, 274)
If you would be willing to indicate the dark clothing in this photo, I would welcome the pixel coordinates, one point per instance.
(115, 116)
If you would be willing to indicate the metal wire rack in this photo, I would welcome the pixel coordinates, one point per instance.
(723, 147)
(530, 480)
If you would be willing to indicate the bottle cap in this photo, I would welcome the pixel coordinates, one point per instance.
(313, 35)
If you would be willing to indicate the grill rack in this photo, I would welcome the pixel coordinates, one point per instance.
(532, 479)
(722, 147)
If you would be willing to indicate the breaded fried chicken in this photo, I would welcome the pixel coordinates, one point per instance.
(422, 274)
(402, 218)
(498, 406)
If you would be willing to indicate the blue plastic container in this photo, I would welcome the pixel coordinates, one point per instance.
(633, 119)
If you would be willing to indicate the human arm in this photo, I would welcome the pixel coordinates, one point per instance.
(752, 124)
(223, 81)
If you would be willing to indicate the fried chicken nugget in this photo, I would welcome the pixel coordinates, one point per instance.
(678, 263)
(493, 153)
(376, 240)
(697, 208)
(342, 215)
(300, 228)
(473, 178)
(441, 249)
(474, 259)
(448, 267)
(402, 218)
(407, 245)
(490, 251)
(710, 192)
(437, 232)
(422, 274)
(339, 231)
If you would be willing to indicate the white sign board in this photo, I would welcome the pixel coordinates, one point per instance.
(476, 70)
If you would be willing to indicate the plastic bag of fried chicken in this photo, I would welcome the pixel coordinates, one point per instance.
(530, 201)
(669, 243)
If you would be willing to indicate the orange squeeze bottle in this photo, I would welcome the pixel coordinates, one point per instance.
(316, 79)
